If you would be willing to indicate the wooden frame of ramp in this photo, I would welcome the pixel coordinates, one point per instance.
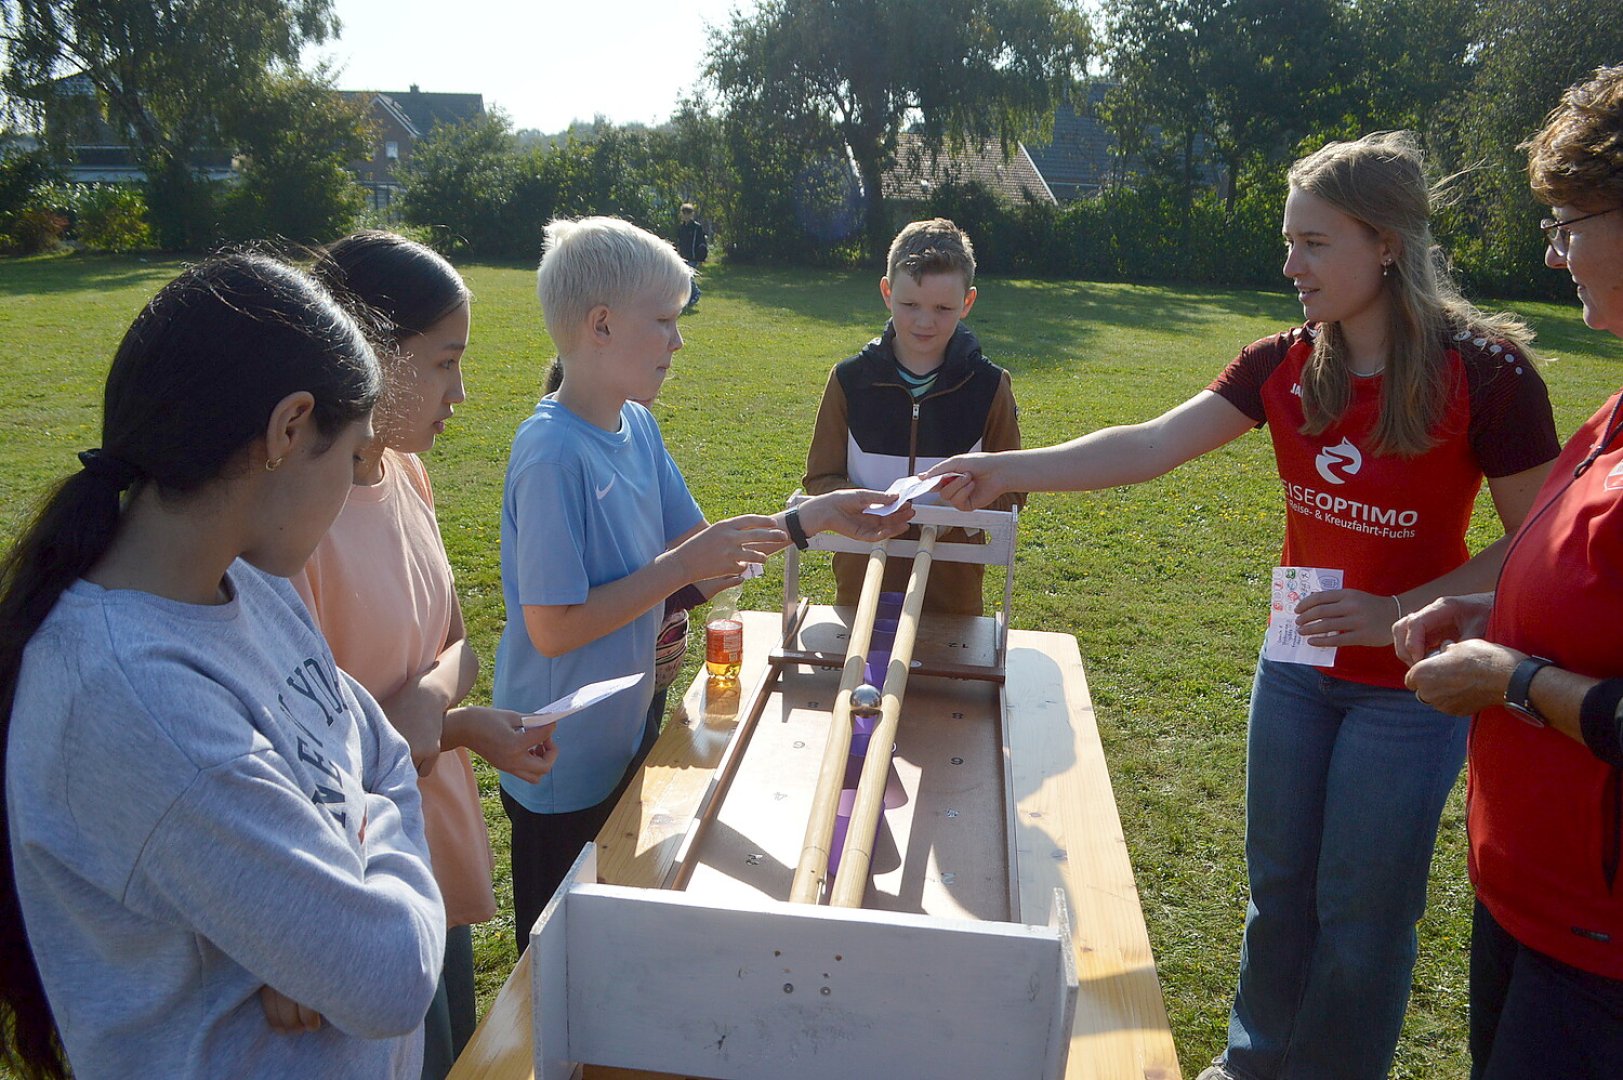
(700, 966)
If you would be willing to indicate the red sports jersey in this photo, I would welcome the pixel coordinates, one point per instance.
(1389, 523)
(1546, 834)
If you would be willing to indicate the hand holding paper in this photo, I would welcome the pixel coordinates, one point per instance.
(1292, 585)
(571, 703)
(906, 490)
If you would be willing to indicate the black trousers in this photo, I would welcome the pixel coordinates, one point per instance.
(545, 846)
(1534, 1017)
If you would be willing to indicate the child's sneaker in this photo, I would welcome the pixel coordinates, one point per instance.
(1215, 1071)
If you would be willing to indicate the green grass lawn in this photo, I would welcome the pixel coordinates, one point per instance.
(1164, 585)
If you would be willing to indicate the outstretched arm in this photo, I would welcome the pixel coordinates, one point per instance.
(1110, 457)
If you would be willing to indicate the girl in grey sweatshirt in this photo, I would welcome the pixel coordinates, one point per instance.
(215, 862)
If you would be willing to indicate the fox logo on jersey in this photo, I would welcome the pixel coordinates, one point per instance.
(1339, 462)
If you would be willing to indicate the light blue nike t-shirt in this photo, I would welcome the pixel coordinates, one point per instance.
(582, 507)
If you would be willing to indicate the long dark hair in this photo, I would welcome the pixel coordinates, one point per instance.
(407, 284)
(192, 384)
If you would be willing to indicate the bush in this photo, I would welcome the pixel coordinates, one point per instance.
(22, 176)
(182, 206)
(97, 217)
(35, 230)
(461, 180)
(486, 195)
(794, 197)
(296, 136)
(28, 222)
(1135, 233)
(107, 217)
(387, 220)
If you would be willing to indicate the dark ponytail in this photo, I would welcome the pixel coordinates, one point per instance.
(193, 383)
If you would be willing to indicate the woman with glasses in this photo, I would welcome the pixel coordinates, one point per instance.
(1539, 662)
(1387, 408)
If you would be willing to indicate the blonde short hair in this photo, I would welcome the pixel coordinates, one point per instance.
(602, 261)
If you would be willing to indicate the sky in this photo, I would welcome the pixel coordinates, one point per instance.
(545, 62)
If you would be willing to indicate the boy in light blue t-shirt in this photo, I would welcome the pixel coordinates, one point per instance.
(598, 528)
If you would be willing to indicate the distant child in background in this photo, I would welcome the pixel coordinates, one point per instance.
(694, 247)
(914, 396)
(381, 590)
(598, 529)
(212, 835)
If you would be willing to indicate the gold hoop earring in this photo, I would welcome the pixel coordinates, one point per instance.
(273, 464)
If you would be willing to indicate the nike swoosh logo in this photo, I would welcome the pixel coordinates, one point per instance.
(604, 490)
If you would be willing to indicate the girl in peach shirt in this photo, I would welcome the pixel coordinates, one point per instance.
(380, 587)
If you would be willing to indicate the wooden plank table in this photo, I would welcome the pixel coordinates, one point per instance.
(1064, 832)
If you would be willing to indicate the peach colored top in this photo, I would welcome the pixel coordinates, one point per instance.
(380, 588)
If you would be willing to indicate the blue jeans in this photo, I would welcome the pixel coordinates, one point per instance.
(451, 1016)
(693, 286)
(1345, 784)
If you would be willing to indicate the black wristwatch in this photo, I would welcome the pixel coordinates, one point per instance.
(1518, 692)
(791, 522)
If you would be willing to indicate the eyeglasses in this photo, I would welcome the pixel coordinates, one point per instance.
(1559, 233)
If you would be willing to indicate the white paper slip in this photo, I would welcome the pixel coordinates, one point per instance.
(752, 570)
(571, 703)
(1292, 585)
(907, 489)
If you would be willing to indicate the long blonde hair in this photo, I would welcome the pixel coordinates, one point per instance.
(1379, 180)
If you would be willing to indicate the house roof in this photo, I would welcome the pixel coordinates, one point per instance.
(418, 111)
(1077, 160)
(915, 174)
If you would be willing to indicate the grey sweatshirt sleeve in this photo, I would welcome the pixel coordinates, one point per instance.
(326, 926)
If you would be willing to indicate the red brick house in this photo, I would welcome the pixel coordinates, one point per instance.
(399, 119)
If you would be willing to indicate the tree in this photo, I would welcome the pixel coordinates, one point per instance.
(694, 144)
(971, 71)
(1413, 57)
(792, 197)
(297, 137)
(462, 178)
(1243, 78)
(1522, 56)
(165, 69)
(1158, 61)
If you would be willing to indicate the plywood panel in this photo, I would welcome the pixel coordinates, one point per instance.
(799, 992)
(1068, 836)
(639, 842)
(941, 852)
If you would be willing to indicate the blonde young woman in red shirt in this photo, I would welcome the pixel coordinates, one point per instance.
(1386, 410)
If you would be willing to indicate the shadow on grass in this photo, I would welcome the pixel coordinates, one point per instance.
(1012, 315)
(1561, 330)
(51, 274)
